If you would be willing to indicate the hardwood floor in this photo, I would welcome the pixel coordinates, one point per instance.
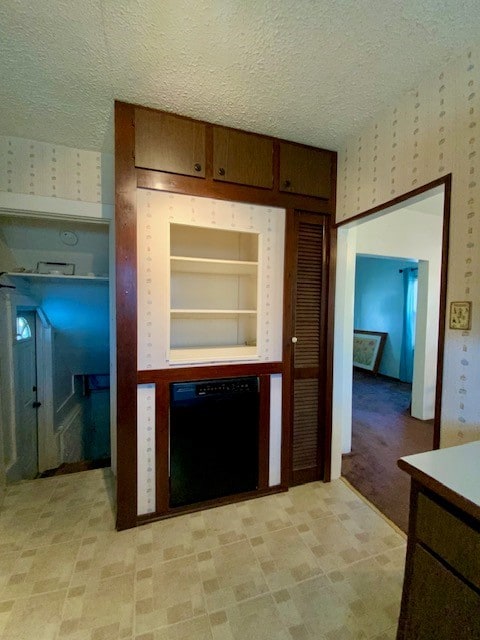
(76, 467)
(383, 431)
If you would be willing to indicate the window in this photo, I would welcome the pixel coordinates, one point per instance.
(23, 329)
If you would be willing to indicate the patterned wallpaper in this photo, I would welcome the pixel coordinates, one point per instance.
(146, 448)
(38, 168)
(432, 131)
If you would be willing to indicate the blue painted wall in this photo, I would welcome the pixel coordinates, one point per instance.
(379, 304)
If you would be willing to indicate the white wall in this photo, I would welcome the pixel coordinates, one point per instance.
(379, 305)
(31, 240)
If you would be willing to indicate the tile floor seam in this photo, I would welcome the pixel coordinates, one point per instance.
(175, 624)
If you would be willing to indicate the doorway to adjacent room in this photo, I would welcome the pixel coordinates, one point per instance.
(384, 417)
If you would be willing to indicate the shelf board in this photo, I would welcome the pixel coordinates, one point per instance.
(54, 276)
(184, 264)
(194, 355)
(211, 313)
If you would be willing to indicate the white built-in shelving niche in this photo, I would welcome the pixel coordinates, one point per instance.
(209, 281)
(214, 293)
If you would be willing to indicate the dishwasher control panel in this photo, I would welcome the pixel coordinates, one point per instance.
(203, 388)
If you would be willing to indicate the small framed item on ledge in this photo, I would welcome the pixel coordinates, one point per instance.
(368, 349)
(461, 315)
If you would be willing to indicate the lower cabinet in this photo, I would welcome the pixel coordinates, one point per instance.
(441, 594)
(441, 606)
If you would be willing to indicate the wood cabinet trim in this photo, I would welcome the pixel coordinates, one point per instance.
(174, 183)
(126, 323)
(180, 374)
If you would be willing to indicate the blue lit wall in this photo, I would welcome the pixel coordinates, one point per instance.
(79, 314)
(379, 304)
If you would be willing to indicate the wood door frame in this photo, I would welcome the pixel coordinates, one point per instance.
(446, 183)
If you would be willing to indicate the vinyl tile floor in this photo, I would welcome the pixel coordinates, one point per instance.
(316, 562)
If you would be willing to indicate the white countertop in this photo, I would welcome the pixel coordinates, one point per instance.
(454, 469)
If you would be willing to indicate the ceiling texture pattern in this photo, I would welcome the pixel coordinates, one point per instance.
(306, 70)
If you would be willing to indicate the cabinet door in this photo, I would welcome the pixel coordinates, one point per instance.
(307, 241)
(305, 170)
(169, 143)
(440, 605)
(243, 158)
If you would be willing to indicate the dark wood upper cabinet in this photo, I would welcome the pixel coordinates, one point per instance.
(166, 142)
(243, 158)
(305, 170)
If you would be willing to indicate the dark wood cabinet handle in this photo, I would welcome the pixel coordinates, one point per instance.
(221, 171)
(197, 166)
(287, 184)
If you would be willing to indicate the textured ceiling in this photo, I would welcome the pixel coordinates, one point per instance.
(306, 70)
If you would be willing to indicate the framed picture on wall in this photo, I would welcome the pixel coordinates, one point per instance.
(368, 348)
(461, 315)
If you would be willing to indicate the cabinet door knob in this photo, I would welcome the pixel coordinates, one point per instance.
(221, 171)
(294, 340)
(197, 166)
(287, 184)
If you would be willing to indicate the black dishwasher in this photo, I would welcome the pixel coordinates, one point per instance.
(213, 439)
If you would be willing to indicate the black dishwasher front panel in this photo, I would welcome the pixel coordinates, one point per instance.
(213, 439)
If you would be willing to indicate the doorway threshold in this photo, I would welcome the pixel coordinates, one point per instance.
(75, 467)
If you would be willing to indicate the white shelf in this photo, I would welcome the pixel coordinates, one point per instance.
(184, 264)
(213, 295)
(54, 276)
(213, 354)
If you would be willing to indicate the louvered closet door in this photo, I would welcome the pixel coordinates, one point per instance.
(309, 348)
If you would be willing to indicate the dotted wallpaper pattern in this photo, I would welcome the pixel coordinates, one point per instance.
(41, 169)
(432, 131)
(146, 448)
(155, 211)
